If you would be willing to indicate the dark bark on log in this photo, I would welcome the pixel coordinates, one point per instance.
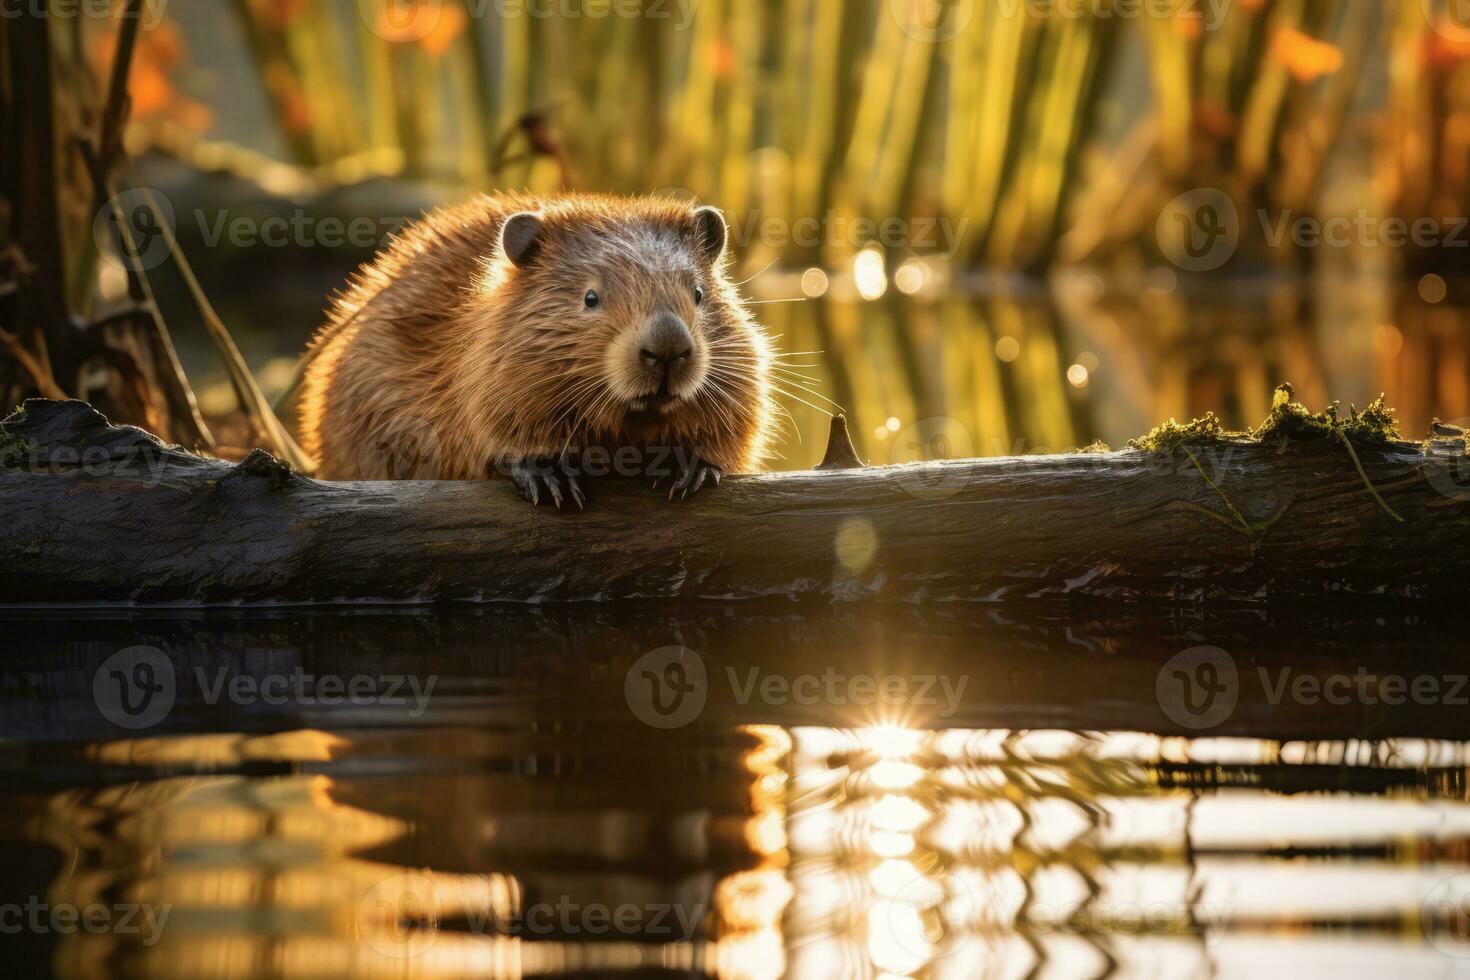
(96, 513)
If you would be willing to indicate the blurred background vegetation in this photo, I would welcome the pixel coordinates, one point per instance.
(982, 214)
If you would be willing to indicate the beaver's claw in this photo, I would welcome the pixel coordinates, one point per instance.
(532, 477)
(694, 477)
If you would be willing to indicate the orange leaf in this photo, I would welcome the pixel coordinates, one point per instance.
(1307, 58)
(1449, 42)
(446, 29)
(407, 21)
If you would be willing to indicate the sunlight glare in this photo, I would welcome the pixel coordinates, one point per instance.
(869, 274)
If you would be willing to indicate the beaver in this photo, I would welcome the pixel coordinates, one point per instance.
(542, 338)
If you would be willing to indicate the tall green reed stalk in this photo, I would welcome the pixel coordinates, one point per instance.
(1426, 139)
(982, 113)
(1252, 106)
(792, 108)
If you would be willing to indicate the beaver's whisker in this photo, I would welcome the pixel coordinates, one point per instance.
(795, 397)
(757, 275)
(722, 343)
(572, 397)
(777, 382)
(777, 387)
(604, 400)
(571, 429)
(735, 410)
(722, 414)
(798, 398)
(788, 421)
(795, 376)
(742, 359)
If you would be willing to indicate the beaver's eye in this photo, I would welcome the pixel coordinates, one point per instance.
(698, 295)
(592, 300)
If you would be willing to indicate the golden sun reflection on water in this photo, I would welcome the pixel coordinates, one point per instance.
(811, 852)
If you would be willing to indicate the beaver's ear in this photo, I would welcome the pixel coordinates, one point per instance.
(710, 233)
(519, 236)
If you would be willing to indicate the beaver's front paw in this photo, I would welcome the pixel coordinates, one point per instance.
(536, 476)
(694, 476)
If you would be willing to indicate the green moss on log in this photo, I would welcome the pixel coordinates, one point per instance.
(12, 446)
(1289, 420)
(1173, 435)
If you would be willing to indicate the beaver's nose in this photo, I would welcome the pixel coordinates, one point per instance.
(666, 342)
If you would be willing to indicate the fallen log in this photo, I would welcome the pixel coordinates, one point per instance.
(96, 513)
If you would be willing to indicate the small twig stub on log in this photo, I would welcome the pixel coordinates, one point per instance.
(840, 454)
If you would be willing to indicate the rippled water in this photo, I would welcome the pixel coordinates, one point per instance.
(735, 792)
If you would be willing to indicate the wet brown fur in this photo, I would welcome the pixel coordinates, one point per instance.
(443, 359)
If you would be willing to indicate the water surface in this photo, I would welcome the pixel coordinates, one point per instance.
(737, 792)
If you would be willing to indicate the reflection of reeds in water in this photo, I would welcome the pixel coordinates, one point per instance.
(1425, 139)
(989, 372)
(947, 850)
(996, 853)
(1423, 355)
(245, 876)
(921, 378)
(951, 853)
